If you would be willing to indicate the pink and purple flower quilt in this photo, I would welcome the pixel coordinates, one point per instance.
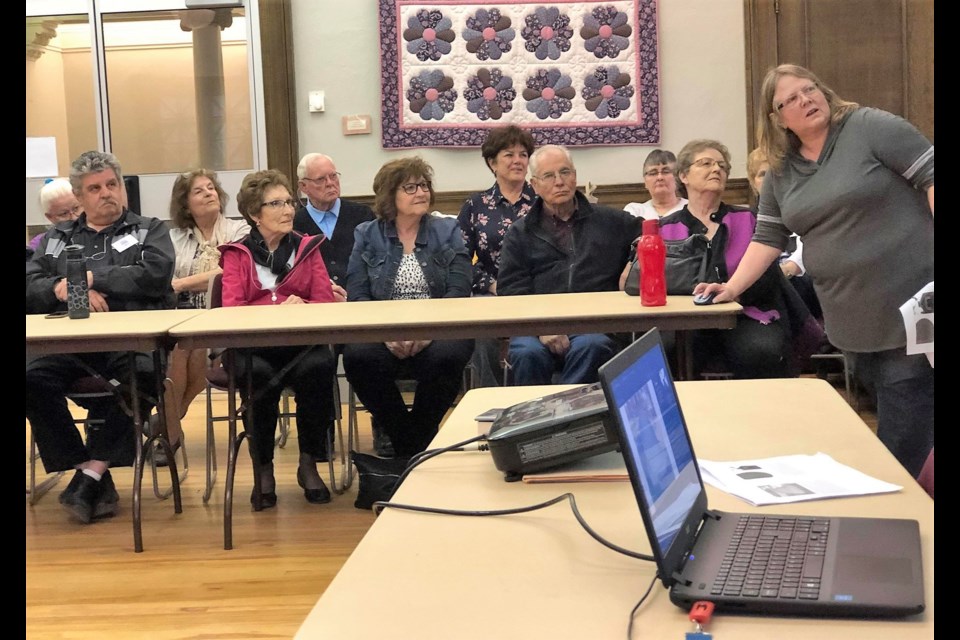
(573, 73)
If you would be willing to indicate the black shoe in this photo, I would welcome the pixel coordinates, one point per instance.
(70, 488)
(80, 497)
(382, 444)
(314, 496)
(267, 500)
(109, 501)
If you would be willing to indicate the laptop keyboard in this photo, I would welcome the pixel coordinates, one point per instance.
(774, 557)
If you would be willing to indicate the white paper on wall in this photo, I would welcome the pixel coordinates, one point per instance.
(42, 158)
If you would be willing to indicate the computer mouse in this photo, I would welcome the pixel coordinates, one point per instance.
(704, 298)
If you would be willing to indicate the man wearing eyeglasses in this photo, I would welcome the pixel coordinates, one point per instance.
(130, 262)
(326, 212)
(564, 244)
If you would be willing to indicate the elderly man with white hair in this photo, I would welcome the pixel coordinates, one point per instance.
(564, 244)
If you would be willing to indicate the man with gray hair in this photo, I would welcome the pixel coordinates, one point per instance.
(564, 244)
(130, 262)
(325, 212)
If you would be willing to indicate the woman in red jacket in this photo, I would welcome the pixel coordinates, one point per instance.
(276, 265)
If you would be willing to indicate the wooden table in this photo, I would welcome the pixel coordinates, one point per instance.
(442, 318)
(540, 575)
(130, 331)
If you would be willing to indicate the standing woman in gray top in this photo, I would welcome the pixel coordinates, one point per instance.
(857, 185)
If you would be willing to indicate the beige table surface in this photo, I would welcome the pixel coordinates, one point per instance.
(478, 317)
(539, 575)
(113, 331)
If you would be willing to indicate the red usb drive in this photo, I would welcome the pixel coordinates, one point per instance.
(701, 611)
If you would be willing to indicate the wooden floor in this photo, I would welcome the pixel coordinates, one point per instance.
(85, 581)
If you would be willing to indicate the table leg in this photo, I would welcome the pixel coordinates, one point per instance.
(248, 411)
(164, 436)
(138, 457)
(684, 348)
(231, 450)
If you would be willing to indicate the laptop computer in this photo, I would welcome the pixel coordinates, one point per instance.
(814, 565)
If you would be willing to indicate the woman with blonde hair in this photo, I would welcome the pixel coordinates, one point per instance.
(856, 184)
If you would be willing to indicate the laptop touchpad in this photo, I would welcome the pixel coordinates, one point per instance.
(866, 560)
(860, 569)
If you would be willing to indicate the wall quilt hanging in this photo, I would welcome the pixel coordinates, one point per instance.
(572, 73)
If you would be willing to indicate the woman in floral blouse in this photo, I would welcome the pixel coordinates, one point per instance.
(486, 216)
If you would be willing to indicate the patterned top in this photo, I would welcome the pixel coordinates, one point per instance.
(410, 283)
(196, 255)
(484, 219)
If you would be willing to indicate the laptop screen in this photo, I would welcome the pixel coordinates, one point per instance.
(655, 445)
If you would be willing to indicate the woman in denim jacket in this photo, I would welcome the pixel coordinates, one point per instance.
(407, 253)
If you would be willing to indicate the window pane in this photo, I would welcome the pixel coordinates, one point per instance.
(178, 90)
(60, 97)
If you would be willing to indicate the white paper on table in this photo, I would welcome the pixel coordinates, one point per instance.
(793, 478)
(919, 323)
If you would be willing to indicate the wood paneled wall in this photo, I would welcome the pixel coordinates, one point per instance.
(875, 52)
(611, 195)
(279, 87)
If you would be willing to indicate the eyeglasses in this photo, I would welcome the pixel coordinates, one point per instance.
(653, 173)
(794, 99)
(66, 214)
(710, 163)
(551, 176)
(330, 177)
(411, 187)
(277, 205)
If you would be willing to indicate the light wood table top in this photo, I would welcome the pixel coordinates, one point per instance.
(113, 331)
(539, 575)
(442, 318)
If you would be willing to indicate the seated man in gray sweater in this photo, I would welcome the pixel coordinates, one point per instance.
(564, 244)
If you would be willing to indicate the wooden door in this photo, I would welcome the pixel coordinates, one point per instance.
(875, 52)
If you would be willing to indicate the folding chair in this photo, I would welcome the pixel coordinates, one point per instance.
(93, 387)
(218, 379)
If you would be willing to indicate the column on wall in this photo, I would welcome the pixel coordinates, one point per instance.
(205, 26)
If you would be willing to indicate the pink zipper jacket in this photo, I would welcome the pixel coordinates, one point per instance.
(307, 278)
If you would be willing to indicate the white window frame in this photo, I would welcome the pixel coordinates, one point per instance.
(154, 187)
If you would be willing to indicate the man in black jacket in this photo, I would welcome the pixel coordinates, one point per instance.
(325, 212)
(564, 244)
(130, 262)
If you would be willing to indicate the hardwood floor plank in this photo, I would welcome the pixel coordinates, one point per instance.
(85, 581)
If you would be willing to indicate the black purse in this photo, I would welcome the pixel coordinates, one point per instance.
(686, 266)
(378, 478)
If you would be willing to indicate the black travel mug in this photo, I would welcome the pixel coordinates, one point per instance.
(78, 299)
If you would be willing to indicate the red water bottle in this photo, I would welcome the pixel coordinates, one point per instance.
(652, 256)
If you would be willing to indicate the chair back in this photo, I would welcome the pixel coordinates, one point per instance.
(215, 292)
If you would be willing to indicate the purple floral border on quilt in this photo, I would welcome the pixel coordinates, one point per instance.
(572, 73)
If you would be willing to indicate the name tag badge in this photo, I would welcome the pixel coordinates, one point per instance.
(122, 244)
